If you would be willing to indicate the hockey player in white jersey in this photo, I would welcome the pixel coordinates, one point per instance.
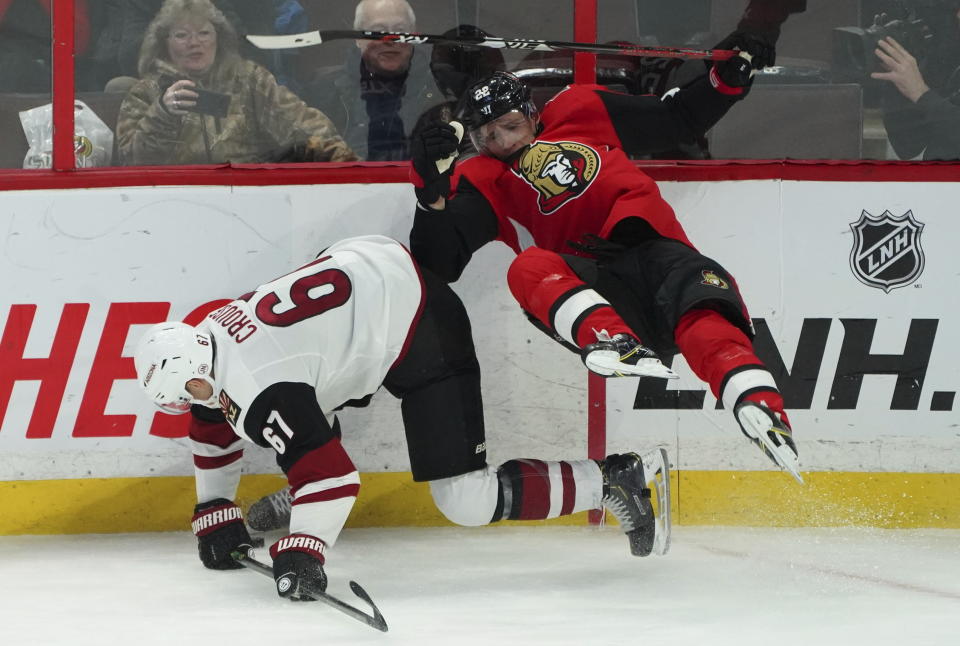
(273, 366)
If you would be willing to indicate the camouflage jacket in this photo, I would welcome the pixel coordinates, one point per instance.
(265, 122)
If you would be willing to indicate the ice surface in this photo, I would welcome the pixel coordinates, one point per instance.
(499, 586)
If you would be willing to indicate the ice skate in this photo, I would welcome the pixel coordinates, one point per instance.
(622, 356)
(271, 512)
(768, 431)
(628, 497)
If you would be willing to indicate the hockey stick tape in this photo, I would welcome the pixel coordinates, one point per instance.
(749, 57)
(446, 162)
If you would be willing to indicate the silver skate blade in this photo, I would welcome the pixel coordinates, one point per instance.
(647, 368)
(656, 469)
(756, 424)
(609, 365)
(291, 41)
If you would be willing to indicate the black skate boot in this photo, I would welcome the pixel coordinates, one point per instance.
(622, 356)
(271, 512)
(626, 495)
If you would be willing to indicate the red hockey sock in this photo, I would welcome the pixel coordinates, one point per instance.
(547, 288)
(537, 489)
(604, 318)
(772, 400)
(722, 355)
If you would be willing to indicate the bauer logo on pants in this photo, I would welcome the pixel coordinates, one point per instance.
(886, 250)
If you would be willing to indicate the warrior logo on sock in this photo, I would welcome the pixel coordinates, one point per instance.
(559, 171)
(886, 250)
(713, 280)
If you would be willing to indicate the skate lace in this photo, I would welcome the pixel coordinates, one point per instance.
(620, 511)
(281, 501)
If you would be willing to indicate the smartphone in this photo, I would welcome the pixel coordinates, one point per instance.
(213, 103)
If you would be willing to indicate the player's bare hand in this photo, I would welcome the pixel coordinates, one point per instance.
(902, 69)
(179, 98)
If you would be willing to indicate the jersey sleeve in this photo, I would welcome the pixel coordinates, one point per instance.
(323, 480)
(444, 241)
(932, 122)
(217, 455)
(649, 124)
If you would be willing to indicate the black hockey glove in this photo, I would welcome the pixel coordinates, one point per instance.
(735, 73)
(434, 142)
(761, 50)
(298, 567)
(218, 526)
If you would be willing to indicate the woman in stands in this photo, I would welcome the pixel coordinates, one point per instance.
(199, 102)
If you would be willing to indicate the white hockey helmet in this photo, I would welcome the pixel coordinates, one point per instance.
(168, 356)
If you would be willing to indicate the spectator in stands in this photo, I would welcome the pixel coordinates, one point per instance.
(25, 43)
(376, 96)
(118, 28)
(190, 46)
(457, 67)
(921, 109)
(246, 16)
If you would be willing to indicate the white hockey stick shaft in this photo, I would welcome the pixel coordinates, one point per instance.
(310, 38)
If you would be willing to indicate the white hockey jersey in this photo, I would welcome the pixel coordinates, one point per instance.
(292, 351)
(337, 324)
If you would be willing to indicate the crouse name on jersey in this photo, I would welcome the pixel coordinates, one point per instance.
(335, 325)
(237, 324)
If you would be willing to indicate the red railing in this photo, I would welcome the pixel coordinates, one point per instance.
(65, 174)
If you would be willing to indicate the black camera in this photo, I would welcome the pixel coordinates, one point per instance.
(854, 56)
(918, 25)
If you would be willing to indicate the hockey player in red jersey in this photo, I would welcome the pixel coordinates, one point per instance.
(603, 263)
(274, 366)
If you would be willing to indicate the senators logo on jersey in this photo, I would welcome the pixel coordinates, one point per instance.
(559, 171)
(711, 279)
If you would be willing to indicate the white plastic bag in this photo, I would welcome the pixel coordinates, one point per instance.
(92, 140)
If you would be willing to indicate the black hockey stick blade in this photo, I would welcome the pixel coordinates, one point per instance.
(310, 38)
(375, 620)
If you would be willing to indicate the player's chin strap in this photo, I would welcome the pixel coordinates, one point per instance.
(214, 400)
(244, 556)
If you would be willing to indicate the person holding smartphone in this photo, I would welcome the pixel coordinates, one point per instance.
(199, 102)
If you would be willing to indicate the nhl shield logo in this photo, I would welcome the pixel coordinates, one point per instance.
(886, 250)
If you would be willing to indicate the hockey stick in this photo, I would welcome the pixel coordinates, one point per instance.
(309, 38)
(375, 621)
